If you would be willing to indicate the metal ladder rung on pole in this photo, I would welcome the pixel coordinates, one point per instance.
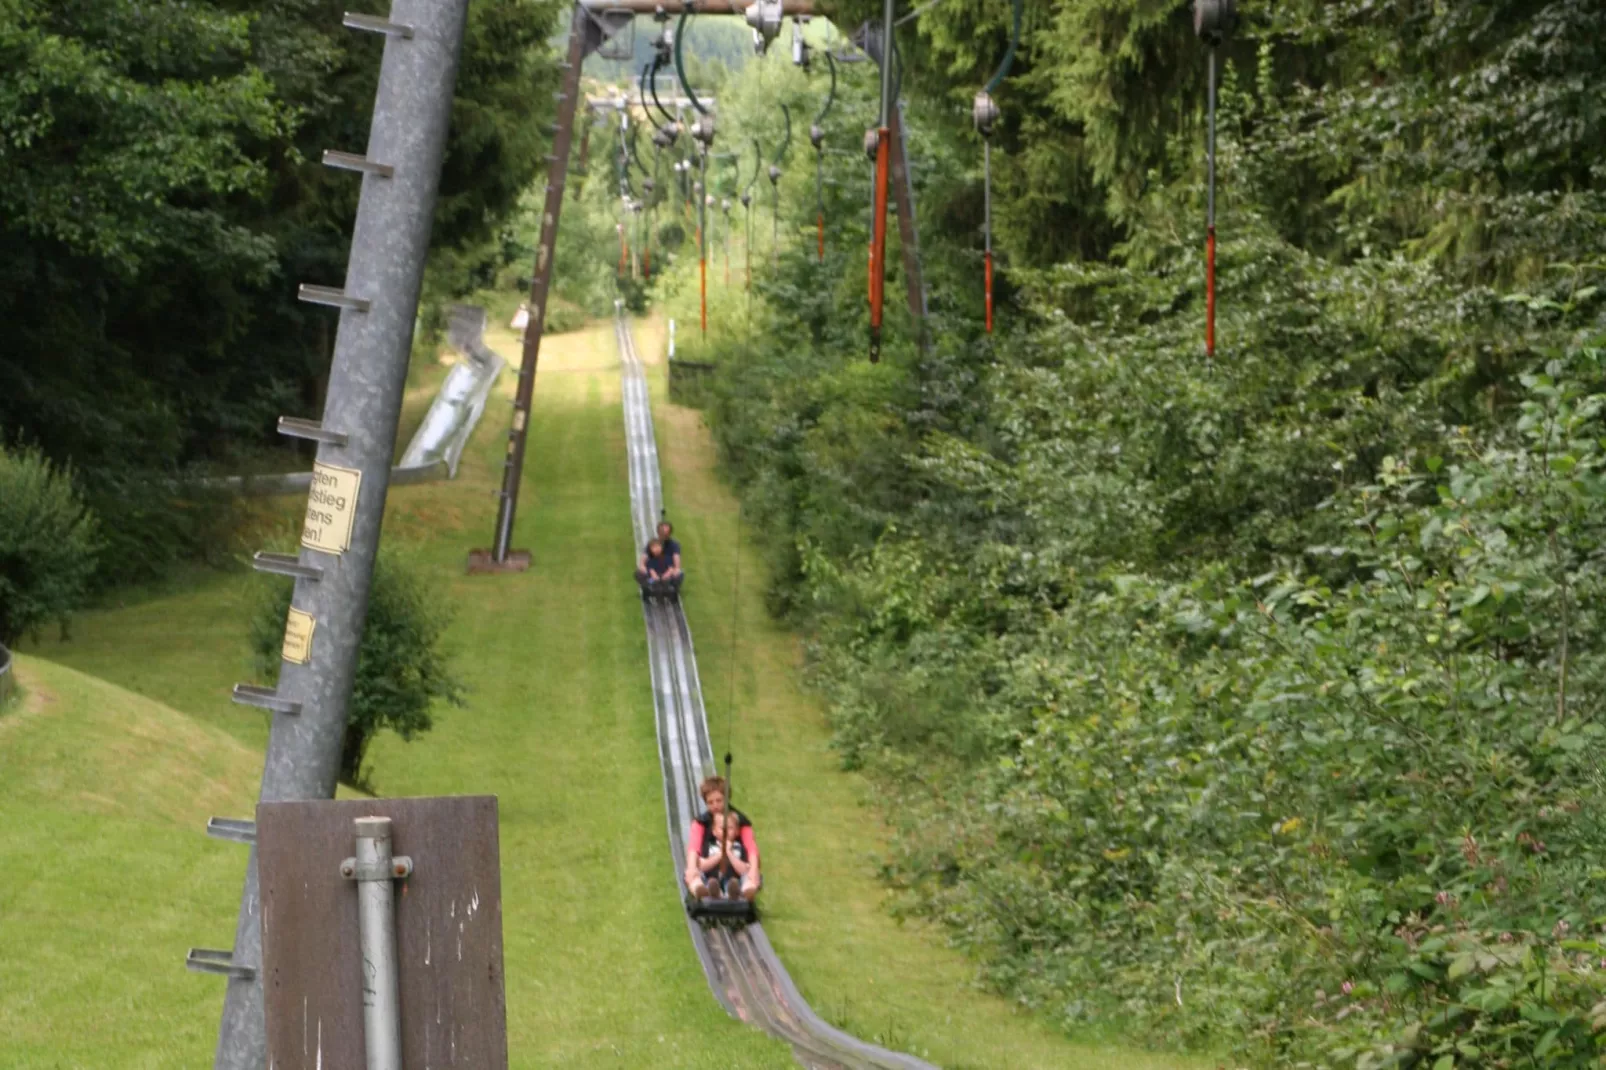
(350, 161)
(375, 24)
(285, 565)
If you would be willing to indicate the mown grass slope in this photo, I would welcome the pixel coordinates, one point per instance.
(109, 876)
(559, 725)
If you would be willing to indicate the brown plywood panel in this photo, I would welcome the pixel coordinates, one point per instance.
(448, 933)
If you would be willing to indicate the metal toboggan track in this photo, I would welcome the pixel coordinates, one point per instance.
(742, 968)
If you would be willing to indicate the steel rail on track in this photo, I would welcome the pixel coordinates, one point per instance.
(746, 975)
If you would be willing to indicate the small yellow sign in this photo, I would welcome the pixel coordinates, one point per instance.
(298, 629)
(331, 508)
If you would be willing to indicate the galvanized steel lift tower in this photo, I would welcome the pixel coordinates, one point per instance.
(356, 438)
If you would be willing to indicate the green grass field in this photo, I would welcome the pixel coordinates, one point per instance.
(106, 823)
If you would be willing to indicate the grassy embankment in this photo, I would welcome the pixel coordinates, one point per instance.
(106, 827)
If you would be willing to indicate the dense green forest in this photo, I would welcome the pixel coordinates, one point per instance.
(1253, 701)
(161, 198)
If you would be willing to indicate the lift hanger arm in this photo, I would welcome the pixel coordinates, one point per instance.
(1009, 53)
(680, 63)
(656, 63)
(635, 150)
(649, 70)
(830, 96)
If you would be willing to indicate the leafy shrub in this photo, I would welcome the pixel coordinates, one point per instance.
(403, 669)
(49, 541)
(1344, 810)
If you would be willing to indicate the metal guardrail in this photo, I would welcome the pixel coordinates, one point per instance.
(8, 683)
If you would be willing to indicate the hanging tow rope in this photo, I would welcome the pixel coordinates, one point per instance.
(662, 138)
(817, 138)
(1213, 22)
(643, 207)
(725, 209)
(702, 132)
(775, 187)
(878, 144)
(984, 114)
(802, 56)
(747, 207)
(627, 197)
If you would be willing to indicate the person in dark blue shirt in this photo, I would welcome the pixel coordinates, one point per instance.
(666, 535)
(656, 572)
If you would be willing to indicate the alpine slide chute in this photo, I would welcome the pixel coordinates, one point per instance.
(746, 975)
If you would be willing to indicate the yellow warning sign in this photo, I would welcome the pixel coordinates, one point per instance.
(298, 629)
(331, 508)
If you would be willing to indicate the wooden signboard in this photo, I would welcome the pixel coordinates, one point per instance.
(448, 933)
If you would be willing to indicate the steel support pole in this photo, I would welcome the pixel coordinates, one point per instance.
(376, 935)
(412, 112)
(580, 26)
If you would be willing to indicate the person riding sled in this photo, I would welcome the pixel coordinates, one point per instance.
(658, 571)
(721, 852)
